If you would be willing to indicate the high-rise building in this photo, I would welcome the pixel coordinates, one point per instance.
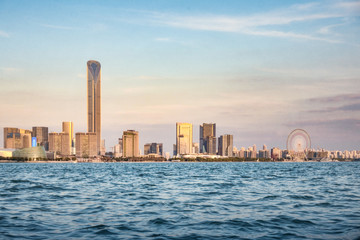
(226, 145)
(94, 100)
(131, 143)
(42, 136)
(59, 143)
(208, 138)
(153, 148)
(86, 145)
(17, 138)
(68, 127)
(184, 138)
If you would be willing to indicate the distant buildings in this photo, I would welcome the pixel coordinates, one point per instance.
(131, 143)
(94, 100)
(226, 145)
(184, 138)
(208, 138)
(17, 138)
(118, 148)
(42, 136)
(86, 144)
(153, 148)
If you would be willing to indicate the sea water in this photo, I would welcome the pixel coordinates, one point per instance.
(180, 200)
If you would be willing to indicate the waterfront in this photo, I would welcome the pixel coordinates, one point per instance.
(180, 200)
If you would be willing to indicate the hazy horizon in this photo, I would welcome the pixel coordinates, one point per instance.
(257, 69)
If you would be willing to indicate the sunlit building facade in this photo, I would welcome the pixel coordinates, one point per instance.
(17, 138)
(86, 144)
(94, 100)
(131, 143)
(184, 138)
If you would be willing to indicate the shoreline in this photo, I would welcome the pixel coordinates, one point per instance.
(52, 161)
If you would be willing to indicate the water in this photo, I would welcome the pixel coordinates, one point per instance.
(180, 201)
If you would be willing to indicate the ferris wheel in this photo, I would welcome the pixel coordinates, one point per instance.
(298, 141)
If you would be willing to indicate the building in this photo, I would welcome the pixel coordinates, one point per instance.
(17, 138)
(86, 144)
(131, 143)
(153, 148)
(195, 148)
(208, 138)
(68, 127)
(276, 153)
(32, 153)
(118, 148)
(226, 145)
(42, 136)
(94, 100)
(59, 143)
(184, 138)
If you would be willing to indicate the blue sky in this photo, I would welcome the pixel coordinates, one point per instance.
(259, 69)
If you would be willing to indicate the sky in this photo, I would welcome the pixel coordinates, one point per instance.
(258, 69)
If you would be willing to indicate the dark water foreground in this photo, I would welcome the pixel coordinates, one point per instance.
(180, 201)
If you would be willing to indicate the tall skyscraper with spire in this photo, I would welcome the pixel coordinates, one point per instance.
(94, 99)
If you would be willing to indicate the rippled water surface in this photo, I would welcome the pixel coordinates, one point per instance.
(180, 201)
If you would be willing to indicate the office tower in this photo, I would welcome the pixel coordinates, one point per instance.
(68, 127)
(17, 138)
(184, 138)
(86, 144)
(55, 142)
(59, 143)
(94, 100)
(208, 138)
(42, 136)
(226, 145)
(153, 148)
(131, 143)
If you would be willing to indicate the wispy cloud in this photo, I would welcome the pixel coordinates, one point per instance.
(56, 26)
(4, 34)
(348, 107)
(336, 98)
(263, 24)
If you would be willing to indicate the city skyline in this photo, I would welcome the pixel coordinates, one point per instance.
(258, 72)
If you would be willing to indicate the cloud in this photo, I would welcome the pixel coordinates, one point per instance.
(345, 123)
(336, 98)
(263, 24)
(56, 27)
(4, 34)
(348, 107)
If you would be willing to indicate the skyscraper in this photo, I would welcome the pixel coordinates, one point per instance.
(226, 145)
(184, 138)
(208, 138)
(130, 143)
(42, 136)
(94, 100)
(68, 127)
(86, 144)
